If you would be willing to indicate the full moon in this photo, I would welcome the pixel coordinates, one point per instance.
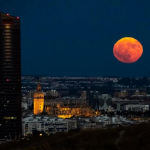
(128, 50)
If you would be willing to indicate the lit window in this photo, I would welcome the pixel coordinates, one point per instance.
(7, 26)
(10, 117)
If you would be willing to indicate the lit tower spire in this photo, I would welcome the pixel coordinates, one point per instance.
(38, 87)
(38, 100)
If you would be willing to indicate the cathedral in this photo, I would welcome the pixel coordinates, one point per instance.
(63, 108)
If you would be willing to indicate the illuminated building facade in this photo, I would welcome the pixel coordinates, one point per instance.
(38, 100)
(121, 94)
(62, 107)
(10, 77)
(66, 111)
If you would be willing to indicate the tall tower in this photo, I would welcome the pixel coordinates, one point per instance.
(38, 100)
(10, 77)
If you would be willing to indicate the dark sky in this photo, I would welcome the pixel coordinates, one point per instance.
(76, 37)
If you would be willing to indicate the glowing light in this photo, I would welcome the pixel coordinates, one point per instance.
(7, 26)
(38, 101)
(7, 80)
(128, 50)
(10, 117)
(64, 116)
(40, 134)
(7, 14)
(17, 17)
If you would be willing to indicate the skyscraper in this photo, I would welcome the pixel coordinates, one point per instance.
(10, 77)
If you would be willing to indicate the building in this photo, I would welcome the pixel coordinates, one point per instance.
(83, 95)
(31, 94)
(140, 93)
(127, 92)
(99, 101)
(24, 105)
(92, 99)
(69, 111)
(52, 93)
(137, 92)
(38, 100)
(47, 124)
(10, 77)
(68, 107)
(104, 101)
(121, 94)
(136, 107)
(62, 110)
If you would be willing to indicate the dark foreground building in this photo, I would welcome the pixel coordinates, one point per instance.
(10, 77)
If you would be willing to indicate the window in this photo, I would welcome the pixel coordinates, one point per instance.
(7, 27)
(10, 117)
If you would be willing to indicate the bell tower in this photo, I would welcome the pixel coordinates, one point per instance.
(38, 87)
(38, 100)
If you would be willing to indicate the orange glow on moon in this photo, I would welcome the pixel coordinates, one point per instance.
(128, 50)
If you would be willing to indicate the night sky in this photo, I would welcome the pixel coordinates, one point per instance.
(76, 37)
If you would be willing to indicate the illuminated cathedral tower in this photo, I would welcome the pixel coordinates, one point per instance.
(38, 100)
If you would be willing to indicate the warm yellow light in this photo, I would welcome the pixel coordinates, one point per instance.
(7, 40)
(10, 117)
(38, 101)
(7, 26)
(38, 106)
(40, 134)
(64, 116)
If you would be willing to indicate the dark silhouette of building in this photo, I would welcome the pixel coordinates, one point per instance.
(93, 99)
(10, 77)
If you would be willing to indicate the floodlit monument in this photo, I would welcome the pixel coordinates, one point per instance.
(38, 100)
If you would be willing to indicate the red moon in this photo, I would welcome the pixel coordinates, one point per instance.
(128, 50)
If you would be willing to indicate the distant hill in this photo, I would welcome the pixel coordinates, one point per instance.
(135, 137)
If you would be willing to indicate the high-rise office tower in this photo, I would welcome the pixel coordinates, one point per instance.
(10, 77)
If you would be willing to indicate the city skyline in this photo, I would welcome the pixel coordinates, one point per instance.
(76, 38)
(74, 69)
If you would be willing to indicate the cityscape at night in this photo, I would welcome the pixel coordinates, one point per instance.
(74, 75)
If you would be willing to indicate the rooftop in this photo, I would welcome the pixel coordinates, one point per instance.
(7, 16)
